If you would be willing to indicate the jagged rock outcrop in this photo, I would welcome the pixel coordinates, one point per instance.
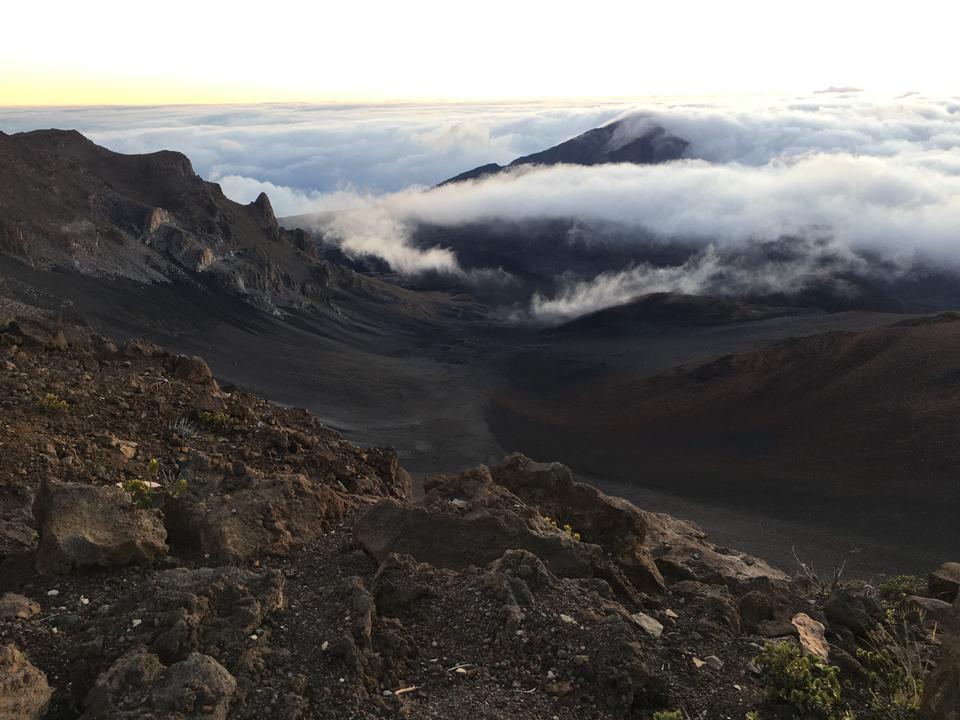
(941, 690)
(252, 517)
(613, 523)
(944, 582)
(24, 692)
(192, 369)
(84, 526)
(69, 203)
(452, 540)
(14, 605)
(138, 686)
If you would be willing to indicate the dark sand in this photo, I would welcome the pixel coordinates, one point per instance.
(426, 387)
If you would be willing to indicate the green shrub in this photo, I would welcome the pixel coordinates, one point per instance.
(803, 681)
(895, 669)
(215, 420)
(565, 527)
(51, 403)
(159, 485)
(896, 588)
(668, 715)
(140, 491)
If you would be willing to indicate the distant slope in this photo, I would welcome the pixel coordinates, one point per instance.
(70, 204)
(668, 309)
(850, 434)
(613, 143)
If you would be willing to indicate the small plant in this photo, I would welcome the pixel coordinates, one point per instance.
(669, 715)
(52, 404)
(141, 491)
(159, 485)
(215, 420)
(896, 588)
(752, 715)
(566, 528)
(183, 427)
(173, 482)
(806, 573)
(895, 668)
(800, 680)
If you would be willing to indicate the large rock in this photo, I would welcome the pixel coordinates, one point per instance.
(931, 613)
(193, 370)
(712, 603)
(944, 582)
(24, 692)
(853, 607)
(768, 612)
(271, 516)
(610, 522)
(86, 526)
(941, 688)
(682, 552)
(456, 541)
(210, 607)
(139, 687)
(14, 606)
(812, 635)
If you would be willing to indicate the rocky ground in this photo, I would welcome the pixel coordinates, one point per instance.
(171, 548)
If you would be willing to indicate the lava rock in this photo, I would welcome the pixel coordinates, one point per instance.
(24, 692)
(85, 526)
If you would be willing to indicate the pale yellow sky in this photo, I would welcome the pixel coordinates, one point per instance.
(111, 52)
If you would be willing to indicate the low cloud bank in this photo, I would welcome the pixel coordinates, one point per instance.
(866, 177)
(861, 178)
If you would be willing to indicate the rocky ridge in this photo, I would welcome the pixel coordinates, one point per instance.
(67, 203)
(174, 548)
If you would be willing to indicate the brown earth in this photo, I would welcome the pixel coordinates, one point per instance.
(307, 620)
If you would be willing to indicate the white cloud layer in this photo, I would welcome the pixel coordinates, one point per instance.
(872, 175)
(879, 177)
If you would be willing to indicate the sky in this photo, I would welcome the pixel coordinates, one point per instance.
(63, 52)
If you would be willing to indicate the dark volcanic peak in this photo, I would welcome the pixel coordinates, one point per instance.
(66, 202)
(631, 140)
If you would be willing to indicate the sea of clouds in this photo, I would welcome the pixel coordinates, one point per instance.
(853, 175)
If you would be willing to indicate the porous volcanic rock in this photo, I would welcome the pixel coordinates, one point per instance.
(269, 516)
(681, 551)
(613, 523)
(24, 692)
(944, 582)
(449, 539)
(138, 686)
(85, 526)
(192, 369)
(13, 605)
(941, 689)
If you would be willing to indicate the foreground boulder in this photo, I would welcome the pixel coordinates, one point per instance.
(139, 686)
(610, 522)
(455, 541)
(944, 582)
(259, 517)
(853, 609)
(941, 690)
(210, 607)
(192, 369)
(682, 552)
(24, 692)
(87, 526)
(14, 606)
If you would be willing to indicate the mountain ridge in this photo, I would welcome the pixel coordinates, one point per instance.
(651, 144)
